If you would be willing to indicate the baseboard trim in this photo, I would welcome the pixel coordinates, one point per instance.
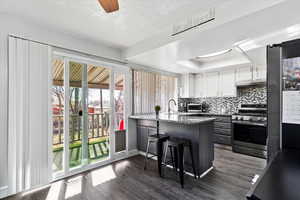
(206, 172)
(3, 192)
(133, 152)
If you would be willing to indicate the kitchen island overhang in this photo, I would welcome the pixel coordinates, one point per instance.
(198, 129)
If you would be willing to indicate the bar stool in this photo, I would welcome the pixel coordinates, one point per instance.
(176, 147)
(158, 140)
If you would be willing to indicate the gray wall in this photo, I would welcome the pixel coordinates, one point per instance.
(274, 55)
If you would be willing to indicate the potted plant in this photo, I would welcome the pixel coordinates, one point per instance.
(157, 109)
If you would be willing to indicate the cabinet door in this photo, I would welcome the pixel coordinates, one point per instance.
(153, 147)
(183, 86)
(260, 73)
(142, 135)
(212, 83)
(227, 83)
(187, 85)
(244, 73)
(199, 85)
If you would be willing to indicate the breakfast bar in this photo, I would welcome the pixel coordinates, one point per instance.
(196, 129)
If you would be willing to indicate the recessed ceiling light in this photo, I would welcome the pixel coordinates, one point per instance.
(188, 64)
(215, 54)
(247, 45)
(293, 29)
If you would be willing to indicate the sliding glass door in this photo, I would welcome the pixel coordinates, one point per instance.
(99, 113)
(88, 103)
(119, 112)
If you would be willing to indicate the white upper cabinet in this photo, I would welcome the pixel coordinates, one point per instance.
(260, 72)
(221, 83)
(243, 73)
(212, 84)
(215, 84)
(199, 85)
(227, 86)
(187, 86)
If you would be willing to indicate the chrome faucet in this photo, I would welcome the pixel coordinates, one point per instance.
(169, 103)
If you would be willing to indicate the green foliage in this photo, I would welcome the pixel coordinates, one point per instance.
(157, 108)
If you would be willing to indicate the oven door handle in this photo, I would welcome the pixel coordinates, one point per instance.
(249, 123)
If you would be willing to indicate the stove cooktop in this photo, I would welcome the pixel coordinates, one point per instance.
(251, 113)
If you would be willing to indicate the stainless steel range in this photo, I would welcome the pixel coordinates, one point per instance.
(250, 130)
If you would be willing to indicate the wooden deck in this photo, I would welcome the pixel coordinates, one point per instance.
(97, 150)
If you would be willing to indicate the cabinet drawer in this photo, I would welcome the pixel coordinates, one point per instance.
(142, 134)
(222, 139)
(146, 123)
(222, 125)
(223, 131)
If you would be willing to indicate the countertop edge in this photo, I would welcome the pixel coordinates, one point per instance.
(208, 119)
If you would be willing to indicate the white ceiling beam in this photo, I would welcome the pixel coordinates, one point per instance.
(226, 12)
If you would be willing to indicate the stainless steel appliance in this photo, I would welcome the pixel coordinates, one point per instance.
(194, 107)
(250, 130)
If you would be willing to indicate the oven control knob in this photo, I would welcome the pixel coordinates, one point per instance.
(258, 119)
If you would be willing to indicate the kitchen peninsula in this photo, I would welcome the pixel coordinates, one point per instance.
(198, 129)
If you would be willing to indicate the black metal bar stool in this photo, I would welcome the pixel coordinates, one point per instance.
(176, 147)
(157, 139)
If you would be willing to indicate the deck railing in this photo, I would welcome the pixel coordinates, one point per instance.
(98, 126)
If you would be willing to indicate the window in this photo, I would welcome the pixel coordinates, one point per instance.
(150, 89)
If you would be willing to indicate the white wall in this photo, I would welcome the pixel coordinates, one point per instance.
(11, 25)
(22, 28)
(3, 112)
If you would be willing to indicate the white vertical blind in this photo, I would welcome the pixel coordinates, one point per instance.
(28, 132)
(3, 113)
(152, 89)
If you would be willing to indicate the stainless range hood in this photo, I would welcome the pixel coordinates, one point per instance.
(252, 82)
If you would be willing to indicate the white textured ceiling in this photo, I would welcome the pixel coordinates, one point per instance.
(271, 24)
(136, 20)
(141, 28)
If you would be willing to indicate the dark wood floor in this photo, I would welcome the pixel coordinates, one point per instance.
(229, 180)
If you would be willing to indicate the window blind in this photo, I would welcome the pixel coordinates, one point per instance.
(150, 89)
(28, 127)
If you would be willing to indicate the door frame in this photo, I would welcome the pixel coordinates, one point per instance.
(113, 68)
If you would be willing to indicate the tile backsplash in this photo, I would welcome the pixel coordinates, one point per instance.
(245, 95)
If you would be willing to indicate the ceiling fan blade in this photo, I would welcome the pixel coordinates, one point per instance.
(109, 5)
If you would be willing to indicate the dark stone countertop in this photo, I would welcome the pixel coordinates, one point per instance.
(206, 113)
(280, 180)
(179, 118)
